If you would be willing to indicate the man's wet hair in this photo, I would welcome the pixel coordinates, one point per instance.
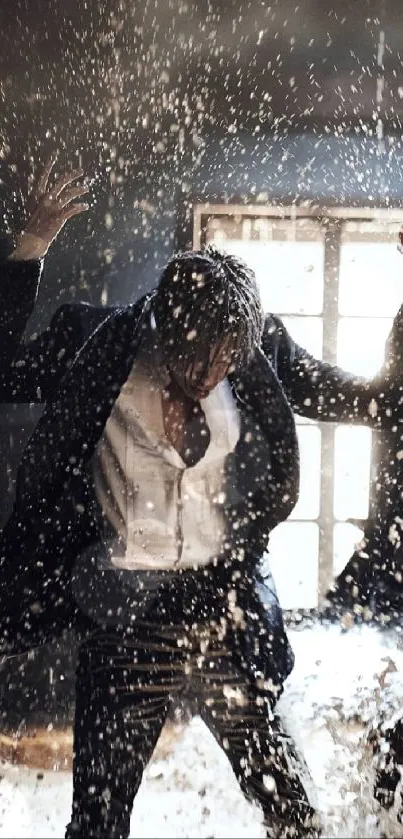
(204, 299)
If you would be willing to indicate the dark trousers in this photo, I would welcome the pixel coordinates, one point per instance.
(388, 751)
(126, 682)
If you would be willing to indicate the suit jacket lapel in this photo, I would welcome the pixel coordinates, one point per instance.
(72, 424)
(266, 458)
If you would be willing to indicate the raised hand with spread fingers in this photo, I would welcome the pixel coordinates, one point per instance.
(49, 208)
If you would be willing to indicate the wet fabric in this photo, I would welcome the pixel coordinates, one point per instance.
(126, 684)
(387, 744)
(78, 366)
(116, 599)
(165, 512)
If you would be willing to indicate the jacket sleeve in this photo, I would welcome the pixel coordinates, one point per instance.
(30, 371)
(321, 391)
(19, 283)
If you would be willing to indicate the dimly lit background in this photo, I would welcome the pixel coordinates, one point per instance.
(164, 101)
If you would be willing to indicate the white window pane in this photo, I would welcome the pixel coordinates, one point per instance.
(352, 472)
(307, 332)
(287, 256)
(294, 548)
(371, 270)
(361, 344)
(309, 437)
(290, 274)
(345, 538)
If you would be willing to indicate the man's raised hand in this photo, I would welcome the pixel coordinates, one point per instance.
(49, 208)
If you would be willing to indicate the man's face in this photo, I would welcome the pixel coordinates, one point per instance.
(201, 377)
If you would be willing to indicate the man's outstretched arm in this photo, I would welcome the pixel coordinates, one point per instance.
(321, 391)
(27, 372)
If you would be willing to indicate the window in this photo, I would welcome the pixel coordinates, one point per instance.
(336, 279)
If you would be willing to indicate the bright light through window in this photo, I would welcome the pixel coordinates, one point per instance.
(351, 472)
(371, 270)
(361, 344)
(351, 308)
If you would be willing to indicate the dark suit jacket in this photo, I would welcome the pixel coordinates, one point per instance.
(77, 368)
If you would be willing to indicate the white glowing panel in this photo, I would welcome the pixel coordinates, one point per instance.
(293, 551)
(371, 278)
(309, 496)
(351, 472)
(287, 256)
(290, 274)
(307, 332)
(361, 344)
(346, 537)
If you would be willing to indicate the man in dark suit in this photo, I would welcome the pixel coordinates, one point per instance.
(165, 455)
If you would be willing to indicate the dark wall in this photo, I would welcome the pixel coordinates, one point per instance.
(318, 167)
(166, 99)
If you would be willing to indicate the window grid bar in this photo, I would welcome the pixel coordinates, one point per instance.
(330, 322)
(292, 211)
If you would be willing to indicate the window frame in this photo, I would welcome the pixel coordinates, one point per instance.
(332, 218)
